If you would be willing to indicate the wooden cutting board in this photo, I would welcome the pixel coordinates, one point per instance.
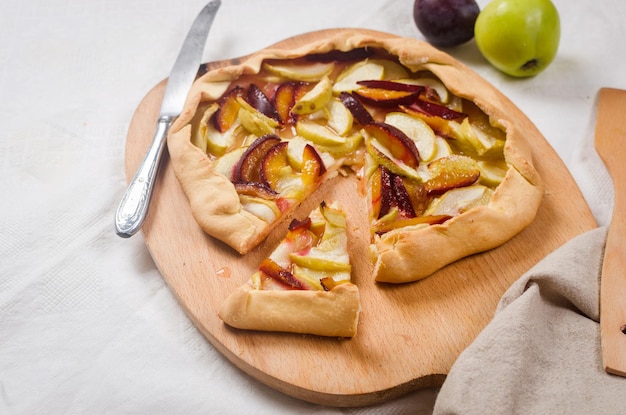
(408, 335)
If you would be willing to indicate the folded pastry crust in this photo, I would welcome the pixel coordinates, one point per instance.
(401, 255)
(331, 313)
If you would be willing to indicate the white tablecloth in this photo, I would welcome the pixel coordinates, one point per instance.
(87, 324)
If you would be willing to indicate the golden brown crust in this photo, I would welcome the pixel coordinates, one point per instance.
(511, 209)
(404, 255)
(332, 313)
(214, 202)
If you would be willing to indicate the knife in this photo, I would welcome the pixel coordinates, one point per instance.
(610, 143)
(133, 207)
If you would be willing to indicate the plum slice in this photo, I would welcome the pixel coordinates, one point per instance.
(312, 166)
(259, 101)
(272, 164)
(280, 274)
(432, 109)
(248, 168)
(388, 93)
(398, 143)
(356, 108)
(389, 191)
(381, 195)
(297, 224)
(257, 190)
(402, 199)
(385, 97)
(418, 195)
(285, 98)
(226, 115)
(391, 85)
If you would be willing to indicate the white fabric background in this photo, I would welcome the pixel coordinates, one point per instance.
(87, 324)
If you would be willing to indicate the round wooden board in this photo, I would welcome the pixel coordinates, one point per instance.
(409, 335)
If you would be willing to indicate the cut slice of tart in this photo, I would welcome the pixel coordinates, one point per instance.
(304, 285)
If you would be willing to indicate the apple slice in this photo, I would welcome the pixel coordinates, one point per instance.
(314, 99)
(470, 139)
(392, 70)
(248, 169)
(365, 70)
(348, 79)
(356, 108)
(340, 118)
(229, 105)
(199, 138)
(225, 165)
(320, 280)
(416, 129)
(451, 172)
(443, 148)
(318, 133)
(330, 254)
(492, 173)
(264, 209)
(396, 141)
(321, 262)
(310, 72)
(332, 215)
(382, 156)
(254, 121)
(348, 150)
(459, 200)
(440, 126)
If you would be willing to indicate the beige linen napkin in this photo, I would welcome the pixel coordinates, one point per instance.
(541, 352)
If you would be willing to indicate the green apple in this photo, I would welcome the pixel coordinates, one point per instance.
(518, 37)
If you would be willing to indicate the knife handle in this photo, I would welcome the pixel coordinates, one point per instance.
(133, 207)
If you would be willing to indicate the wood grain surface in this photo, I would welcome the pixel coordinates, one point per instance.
(409, 335)
(610, 141)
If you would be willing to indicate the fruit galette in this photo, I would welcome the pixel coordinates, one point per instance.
(443, 166)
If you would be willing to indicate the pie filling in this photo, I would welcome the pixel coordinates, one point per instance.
(312, 256)
(422, 154)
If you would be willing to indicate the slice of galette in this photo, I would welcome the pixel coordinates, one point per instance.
(304, 286)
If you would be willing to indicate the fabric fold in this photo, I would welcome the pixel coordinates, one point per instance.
(541, 352)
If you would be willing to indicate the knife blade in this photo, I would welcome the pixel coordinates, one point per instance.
(610, 143)
(134, 205)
